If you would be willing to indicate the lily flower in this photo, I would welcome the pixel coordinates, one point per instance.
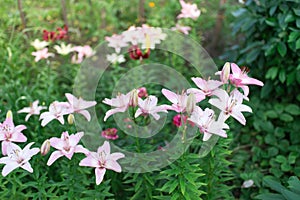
(56, 111)
(206, 87)
(121, 102)
(82, 51)
(183, 29)
(189, 10)
(38, 45)
(180, 101)
(78, 105)
(115, 58)
(42, 54)
(207, 124)
(10, 133)
(149, 107)
(66, 146)
(239, 78)
(116, 42)
(102, 160)
(231, 105)
(34, 109)
(16, 157)
(63, 49)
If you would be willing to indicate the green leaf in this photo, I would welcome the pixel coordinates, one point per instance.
(293, 109)
(296, 11)
(274, 185)
(252, 55)
(294, 184)
(292, 157)
(182, 185)
(285, 167)
(286, 117)
(280, 159)
(271, 114)
(272, 73)
(290, 195)
(271, 21)
(289, 18)
(272, 10)
(293, 36)
(298, 22)
(282, 76)
(298, 44)
(281, 48)
(270, 196)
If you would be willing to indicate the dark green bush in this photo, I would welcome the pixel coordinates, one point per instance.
(268, 37)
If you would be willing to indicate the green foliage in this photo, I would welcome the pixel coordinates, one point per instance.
(290, 193)
(182, 179)
(269, 46)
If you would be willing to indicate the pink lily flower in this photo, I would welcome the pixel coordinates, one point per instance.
(205, 120)
(42, 54)
(189, 10)
(83, 51)
(78, 105)
(116, 42)
(132, 35)
(34, 109)
(10, 133)
(183, 29)
(102, 160)
(66, 146)
(121, 102)
(180, 101)
(230, 105)
(149, 107)
(16, 157)
(239, 78)
(206, 87)
(56, 111)
(110, 134)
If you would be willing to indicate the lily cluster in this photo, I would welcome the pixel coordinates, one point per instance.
(188, 11)
(66, 145)
(49, 37)
(137, 40)
(224, 94)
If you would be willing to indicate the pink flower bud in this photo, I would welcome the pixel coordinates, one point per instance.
(45, 148)
(142, 92)
(110, 134)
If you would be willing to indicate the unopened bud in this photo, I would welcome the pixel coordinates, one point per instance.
(9, 114)
(225, 72)
(134, 98)
(45, 148)
(71, 119)
(191, 103)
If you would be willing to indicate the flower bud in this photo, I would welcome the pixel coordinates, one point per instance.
(45, 148)
(134, 98)
(9, 114)
(191, 103)
(142, 92)
(71, 119)
(225, 72)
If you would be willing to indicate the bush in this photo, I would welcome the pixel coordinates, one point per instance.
(270, 41)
